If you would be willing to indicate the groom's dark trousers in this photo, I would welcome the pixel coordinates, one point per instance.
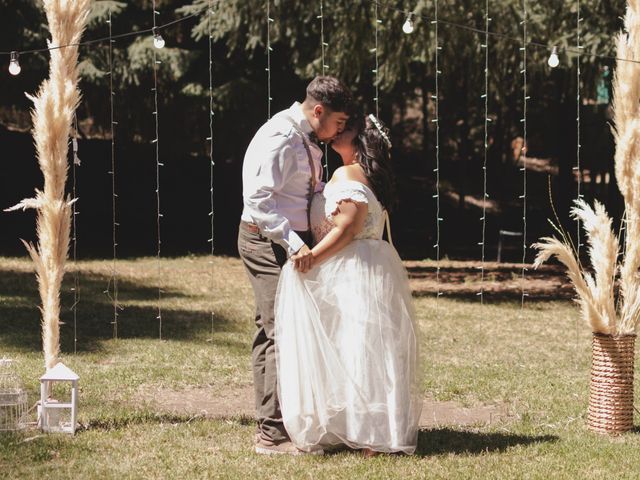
(263, 260)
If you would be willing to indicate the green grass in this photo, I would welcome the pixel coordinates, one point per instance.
(536, 362)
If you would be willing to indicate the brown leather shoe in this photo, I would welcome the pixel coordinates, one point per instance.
(283, 448)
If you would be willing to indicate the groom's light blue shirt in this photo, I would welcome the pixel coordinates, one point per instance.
(276, 176)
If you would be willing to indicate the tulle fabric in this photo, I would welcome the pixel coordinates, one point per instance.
(347, 351)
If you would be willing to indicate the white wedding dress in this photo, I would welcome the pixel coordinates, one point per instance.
(346, 339)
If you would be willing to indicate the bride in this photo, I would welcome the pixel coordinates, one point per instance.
(345, 330)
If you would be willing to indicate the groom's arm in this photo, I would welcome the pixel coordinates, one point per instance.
(270, 177)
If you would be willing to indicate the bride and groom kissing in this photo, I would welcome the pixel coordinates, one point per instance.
(335, 353)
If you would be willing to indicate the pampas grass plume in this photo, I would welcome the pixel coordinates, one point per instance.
(53, 107)
(596, 292)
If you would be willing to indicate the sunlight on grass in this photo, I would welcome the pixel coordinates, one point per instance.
(534, 361)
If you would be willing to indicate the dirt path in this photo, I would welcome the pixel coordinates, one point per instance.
(239, 401)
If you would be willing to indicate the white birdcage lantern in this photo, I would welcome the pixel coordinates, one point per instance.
(57, 415)
(13, 399)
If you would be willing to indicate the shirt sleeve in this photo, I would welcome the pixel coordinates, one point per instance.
(273, 171)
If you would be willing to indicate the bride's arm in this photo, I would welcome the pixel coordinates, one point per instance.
(349, 220)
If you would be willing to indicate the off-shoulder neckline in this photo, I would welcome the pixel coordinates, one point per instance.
(338, 182)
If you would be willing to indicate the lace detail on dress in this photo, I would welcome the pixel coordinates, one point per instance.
(320, 224)
(324, 205)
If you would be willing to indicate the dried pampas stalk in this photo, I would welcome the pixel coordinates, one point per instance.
(626, 105)
(603, 253)
(54, 106)
(594, 312)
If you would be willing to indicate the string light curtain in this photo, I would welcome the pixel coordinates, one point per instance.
(269, 50)
(113, 281)
(485, 195)
(377, 23)
(323, 68)
(158, 43)
(577, 168)
(436, 121)
(15, 68)
(523, 152)
(74, 234)
(210, 14)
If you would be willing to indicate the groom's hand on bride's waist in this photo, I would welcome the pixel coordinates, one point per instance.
(303, 259)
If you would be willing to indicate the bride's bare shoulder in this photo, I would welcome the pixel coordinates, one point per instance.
(349, 172)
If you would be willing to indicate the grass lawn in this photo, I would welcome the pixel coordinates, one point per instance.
(534, 362)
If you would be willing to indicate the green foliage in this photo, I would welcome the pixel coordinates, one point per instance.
(100, 10)
(140, 54)
(89, 72)
(239, 30)
(406, 62)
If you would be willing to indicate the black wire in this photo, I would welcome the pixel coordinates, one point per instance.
(106, 39)
(500, 35)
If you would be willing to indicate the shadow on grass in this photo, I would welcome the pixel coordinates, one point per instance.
(445, 440)
(153, 418)
(20, 317)
(502, 282)
(139, 418)
(470, 295)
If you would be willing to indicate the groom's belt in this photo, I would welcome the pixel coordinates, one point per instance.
(253, 228)
(250, 227)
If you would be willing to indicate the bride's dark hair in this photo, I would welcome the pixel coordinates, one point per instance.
(374, 155)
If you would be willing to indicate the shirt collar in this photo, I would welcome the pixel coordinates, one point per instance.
(297, 115)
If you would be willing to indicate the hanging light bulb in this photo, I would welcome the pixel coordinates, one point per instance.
(158, 41)
(554, 61)
(408, 25)
(14, 64)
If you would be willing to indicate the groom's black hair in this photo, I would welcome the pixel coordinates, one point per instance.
(332, 93)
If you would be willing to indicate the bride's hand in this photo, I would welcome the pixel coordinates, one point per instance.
(303, 260)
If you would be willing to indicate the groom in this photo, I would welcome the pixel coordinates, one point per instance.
(281, 171)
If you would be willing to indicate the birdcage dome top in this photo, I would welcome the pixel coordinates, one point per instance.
(13, 398)
(9, 380)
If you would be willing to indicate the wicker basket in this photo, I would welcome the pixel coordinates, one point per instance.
(611, 389)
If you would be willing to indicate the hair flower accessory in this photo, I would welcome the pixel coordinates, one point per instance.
(378, 125)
